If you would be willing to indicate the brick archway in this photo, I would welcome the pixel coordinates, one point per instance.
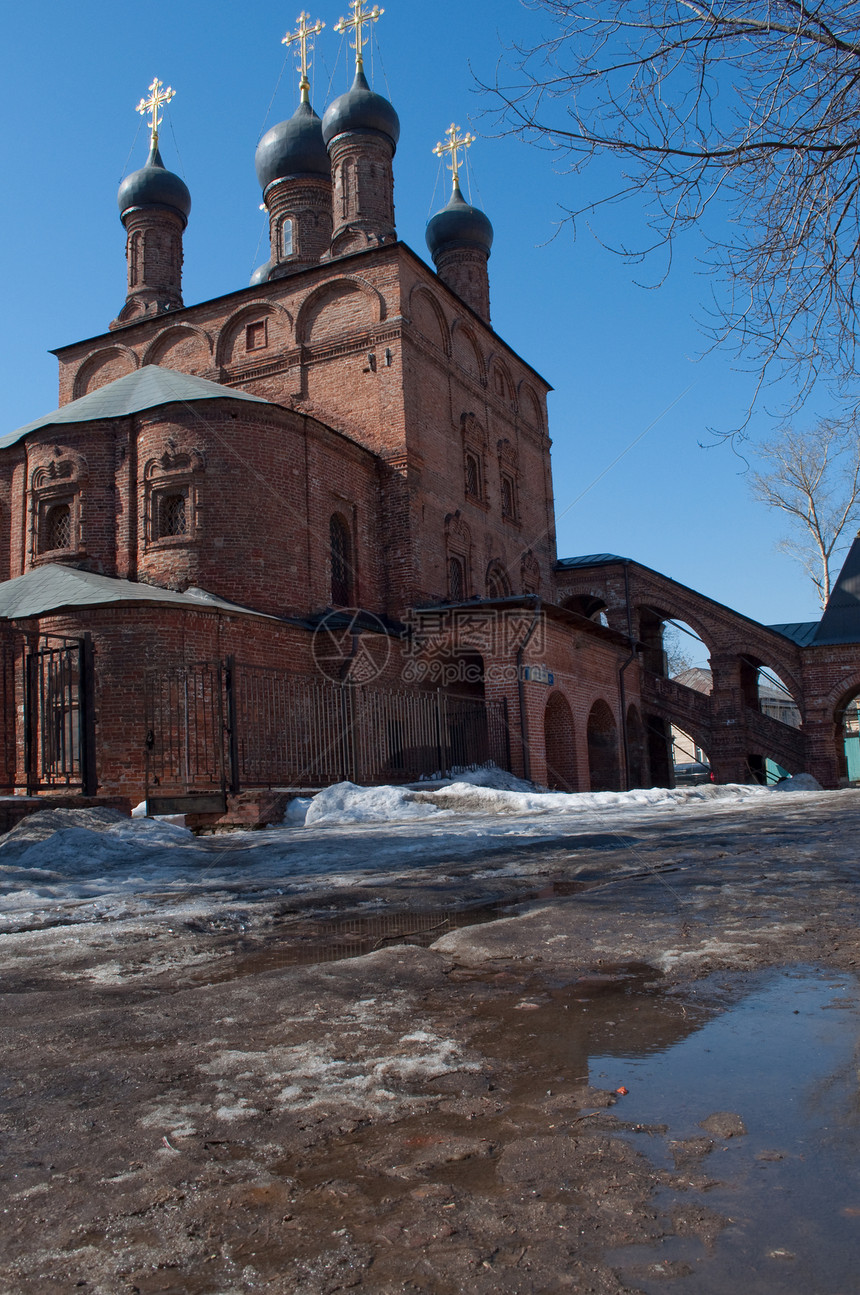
(604, 764)
(559, 743)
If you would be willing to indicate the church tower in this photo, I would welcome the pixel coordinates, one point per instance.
(361, 130)
(460, 236)
(154, 205)
(294, 172)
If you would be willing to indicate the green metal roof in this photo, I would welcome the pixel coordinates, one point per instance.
(800, 632)
(589, 560)
(146, 388)
(53, 586)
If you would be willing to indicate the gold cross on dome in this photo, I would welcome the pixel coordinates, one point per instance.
(360, 16)
(456, 142)
(158, 96)
(303, 36)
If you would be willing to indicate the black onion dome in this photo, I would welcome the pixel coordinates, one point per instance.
(293, 147)
(360, 110)
(261, 274)
(154, 186)
(458, 225)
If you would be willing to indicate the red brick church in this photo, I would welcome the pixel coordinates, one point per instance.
(305, 531)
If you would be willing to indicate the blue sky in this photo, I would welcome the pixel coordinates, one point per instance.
(620, 357)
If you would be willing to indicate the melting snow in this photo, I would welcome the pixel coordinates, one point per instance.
(63, 866)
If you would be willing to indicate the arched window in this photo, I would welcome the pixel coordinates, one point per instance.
(58, 527)
(172, 515)
(340, 548)
(287, 240)
(456, 580)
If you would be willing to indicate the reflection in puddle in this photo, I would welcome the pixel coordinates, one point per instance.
(775, 1056)
(784, 1059)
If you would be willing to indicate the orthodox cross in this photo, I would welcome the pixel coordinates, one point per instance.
(456, 142)
(158, 96)
(303, 36)
(360, 16)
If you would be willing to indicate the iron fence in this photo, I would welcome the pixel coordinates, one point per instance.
(233, 726)
(185, 727)
(304, 731)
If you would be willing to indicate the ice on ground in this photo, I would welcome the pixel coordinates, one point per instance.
(493, 776)
(296, 811)
(800, 782)
(83, 867)
(347, 803)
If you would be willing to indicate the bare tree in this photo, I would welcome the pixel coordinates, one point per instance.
(813, 476)
(747, 111)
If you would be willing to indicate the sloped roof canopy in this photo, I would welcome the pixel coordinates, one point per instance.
(841, 620)
(146, 388)
(53, 586)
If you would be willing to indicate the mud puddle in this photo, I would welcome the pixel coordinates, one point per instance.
(785, 1060)
(743, 1092)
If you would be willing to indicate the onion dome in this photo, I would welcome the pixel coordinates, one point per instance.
(360, 110)
(458, 225)
(261, 275)
(154, 186)
(293, 147)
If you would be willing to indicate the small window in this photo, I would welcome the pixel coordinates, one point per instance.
(340, 549)
(456, 580)
(57, 531)
(473, 477)
(255, 336)
(287, 239)
(509, 507)
(172, 515)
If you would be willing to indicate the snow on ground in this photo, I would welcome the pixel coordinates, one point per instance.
(74, 866)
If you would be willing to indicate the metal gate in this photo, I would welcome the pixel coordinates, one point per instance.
(186, 735)
(59, 721)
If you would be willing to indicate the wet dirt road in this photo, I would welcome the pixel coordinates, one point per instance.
(219, 1107)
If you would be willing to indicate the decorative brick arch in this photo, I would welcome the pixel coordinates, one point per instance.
(57, 482)
(530, 577)
(467, 352)
(103, 367)
(429, 318)
(367, 308)
(497, 581)
(183, 347)
(230, 350)
(530, 406)
(501, 382)
(458, 548)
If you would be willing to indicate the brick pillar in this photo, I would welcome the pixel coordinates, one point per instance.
(728, 752)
